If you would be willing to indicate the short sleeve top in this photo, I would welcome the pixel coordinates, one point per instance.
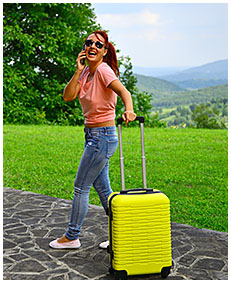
(97, 100)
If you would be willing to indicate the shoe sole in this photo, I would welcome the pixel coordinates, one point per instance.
(62, 248)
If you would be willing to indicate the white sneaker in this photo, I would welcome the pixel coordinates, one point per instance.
(75, 244)
(104, 245)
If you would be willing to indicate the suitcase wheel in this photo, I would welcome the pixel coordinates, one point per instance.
(120, 275)
(165, 271)
(111, 270)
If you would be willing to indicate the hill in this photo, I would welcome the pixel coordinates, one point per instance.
(200, 83)
(157, 87)
(167, 94)
(175, 103)
(157, 71)
(177, 110)
(210, 74)
(199, 96)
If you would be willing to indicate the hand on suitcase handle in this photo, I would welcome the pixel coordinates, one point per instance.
(138, 118)
(128, 116)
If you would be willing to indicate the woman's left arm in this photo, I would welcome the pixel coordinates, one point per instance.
(125, 95)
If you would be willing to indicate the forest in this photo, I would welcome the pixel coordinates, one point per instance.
(213, 115)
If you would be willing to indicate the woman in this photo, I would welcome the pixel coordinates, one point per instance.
(97, 87)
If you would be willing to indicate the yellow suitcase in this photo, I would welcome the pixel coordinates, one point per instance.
(139, 227)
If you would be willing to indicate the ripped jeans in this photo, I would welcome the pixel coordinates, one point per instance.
(100, 145)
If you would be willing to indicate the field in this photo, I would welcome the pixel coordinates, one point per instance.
(189, 165)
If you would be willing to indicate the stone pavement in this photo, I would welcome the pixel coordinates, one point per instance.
(31, 221)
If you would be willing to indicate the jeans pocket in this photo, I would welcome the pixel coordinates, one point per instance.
(93, 142)
(112, 146)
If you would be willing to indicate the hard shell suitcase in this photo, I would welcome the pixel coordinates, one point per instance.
(139, 226)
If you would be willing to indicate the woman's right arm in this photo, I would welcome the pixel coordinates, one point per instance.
(73, 87)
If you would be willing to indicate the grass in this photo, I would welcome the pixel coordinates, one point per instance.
(189, 165)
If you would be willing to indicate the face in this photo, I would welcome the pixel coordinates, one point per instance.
(94, 53)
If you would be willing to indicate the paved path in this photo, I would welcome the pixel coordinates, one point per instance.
(32, 220)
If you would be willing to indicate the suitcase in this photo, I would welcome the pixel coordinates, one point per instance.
(139, 226)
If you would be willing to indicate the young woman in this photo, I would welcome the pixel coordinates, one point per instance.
(97, 87)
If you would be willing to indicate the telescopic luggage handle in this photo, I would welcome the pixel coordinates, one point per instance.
(119, 122)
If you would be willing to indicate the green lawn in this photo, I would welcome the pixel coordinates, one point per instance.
(189, 165)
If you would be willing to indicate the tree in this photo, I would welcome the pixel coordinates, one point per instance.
(207, 117)
(155, 122)
(128, 80)
(40, 45)
(193, 107)
(142, 101)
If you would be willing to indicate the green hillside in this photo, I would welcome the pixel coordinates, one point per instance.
(175, 106)
(167, 94)
(158, 87)
(200, 83)
(199, 96)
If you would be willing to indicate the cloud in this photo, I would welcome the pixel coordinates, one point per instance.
(148, 18)
(145, 35)
(128, 20)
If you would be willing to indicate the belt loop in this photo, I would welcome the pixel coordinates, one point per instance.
(86, 130)
(105, 131)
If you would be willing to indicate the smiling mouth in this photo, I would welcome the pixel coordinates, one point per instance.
(92, 53)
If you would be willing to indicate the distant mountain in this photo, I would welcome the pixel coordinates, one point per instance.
(157, 72)
(210, 74)
(200, 83)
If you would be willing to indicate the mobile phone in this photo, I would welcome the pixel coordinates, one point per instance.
(82, 61)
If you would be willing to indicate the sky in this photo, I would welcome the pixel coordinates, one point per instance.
(167, 34)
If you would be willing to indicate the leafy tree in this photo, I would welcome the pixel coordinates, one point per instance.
(173, 112)
(193, 107)
(207, 117)
(142, 101)
(225, 111)
(179, 121)
(155, 122)
(40, 44)
(128, 80)
(184, 112)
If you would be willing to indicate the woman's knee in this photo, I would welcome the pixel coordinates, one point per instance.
(81, 190)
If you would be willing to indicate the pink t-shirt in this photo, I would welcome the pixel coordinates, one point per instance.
(97, 100)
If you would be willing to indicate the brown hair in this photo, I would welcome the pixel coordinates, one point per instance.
(110, 58)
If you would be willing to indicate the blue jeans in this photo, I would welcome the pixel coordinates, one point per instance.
(100, 145)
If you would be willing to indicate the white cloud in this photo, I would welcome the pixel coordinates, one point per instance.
(145, 35)
(149, 18)
(141, 19)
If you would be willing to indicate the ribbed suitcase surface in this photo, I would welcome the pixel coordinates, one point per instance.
(140, 232)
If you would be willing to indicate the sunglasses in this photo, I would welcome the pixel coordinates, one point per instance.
(98, 44)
